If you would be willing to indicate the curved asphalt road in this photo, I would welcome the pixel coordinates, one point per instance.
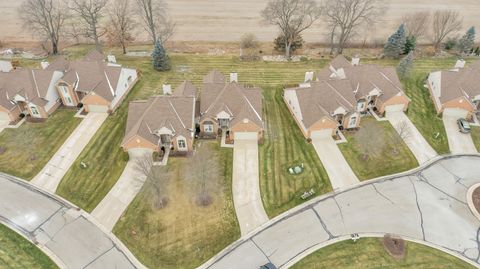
(428, 205)
(65, 233)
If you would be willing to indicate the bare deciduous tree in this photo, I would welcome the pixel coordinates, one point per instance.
(73, 31)
(417, 23)
(292, 17)
(45, 18)
(345, 17)
(155, 178)
(121, 23)
(204, 175)
(371, 139)
(91, 11)
(445, 22)
(403, 133)
(153, 14)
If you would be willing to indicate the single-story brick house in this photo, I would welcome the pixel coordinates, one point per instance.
(229, 107)
(456, 92)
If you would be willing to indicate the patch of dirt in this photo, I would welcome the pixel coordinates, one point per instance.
(476, 198)
(394, 246)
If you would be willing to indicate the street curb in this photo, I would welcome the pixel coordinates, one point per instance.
(470, 200)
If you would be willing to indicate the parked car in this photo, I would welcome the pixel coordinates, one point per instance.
(463, 126)
(268, 266)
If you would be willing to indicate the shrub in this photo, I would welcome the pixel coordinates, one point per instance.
(280, 43)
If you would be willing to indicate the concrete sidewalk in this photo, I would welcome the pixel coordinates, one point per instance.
(111, 208)
(412, 137)
(51, 175)
(246, 185)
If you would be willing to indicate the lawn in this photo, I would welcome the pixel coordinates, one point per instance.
(476, 136)
(26, 150)
(368, 253)
(184, 233)
(284, 146)
(17, 252)
(376, 150)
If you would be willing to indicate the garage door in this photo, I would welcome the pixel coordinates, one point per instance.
(455, 112)
(4, 116)
(246, 135)
(395, 108)
(97, 108)
(327, 133)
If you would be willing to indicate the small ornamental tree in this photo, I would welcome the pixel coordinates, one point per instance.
(160, 59)
(279, 43)
(405, 65)
(410, 44)
(466, 43)
(396, 43)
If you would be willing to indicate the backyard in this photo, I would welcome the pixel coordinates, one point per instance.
(186, 221)
(376, 150)
(370, 253)
(26, 150)
(17, 252)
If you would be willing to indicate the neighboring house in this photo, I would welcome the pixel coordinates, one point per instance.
(6, 66)
(161, 123)
(456, 91)
(323, 107)
(374, 86)
(98, 85)
(229, 107)
(29, 92)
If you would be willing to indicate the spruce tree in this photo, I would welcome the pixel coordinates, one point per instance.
(465, 44)
(396, 43)
(160, 59)
(410, 44)
(405, 65)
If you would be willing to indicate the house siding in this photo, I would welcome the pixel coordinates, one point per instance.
(93, 99)
(13, 114)
(139, 142)
(246, 127)
(395, 100)
(461, 103)
(71, 92)
(322, 124)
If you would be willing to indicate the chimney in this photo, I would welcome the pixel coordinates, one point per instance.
(44, 64)
(308, 76)
(233, 77)
(460, 64)
(111, 59)
(167, 89)
(355, 60)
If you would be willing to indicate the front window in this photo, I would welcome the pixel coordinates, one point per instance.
(182, 144)
(208, 128)
(353, 121)
(64, 89)
(360, 106)
(223, 122)
(34, 110)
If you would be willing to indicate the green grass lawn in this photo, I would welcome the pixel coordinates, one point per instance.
(376, 150)
(284, 146)
(17, 252)
(28, 148)
(476, 136)
(369, 253)
(183, 234)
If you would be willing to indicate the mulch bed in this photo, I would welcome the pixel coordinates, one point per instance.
(396, 247)
(476, 198)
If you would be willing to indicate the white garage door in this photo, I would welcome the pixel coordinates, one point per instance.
(97, 108)
(4, 116)
(455, 113)
(395, 108)
(327, 133)
(246, 135)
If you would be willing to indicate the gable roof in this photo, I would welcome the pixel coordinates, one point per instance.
(340, 62)
(173, 112)
(185, 89)
(94, 55)
(214, 77)
(240, 101)
(463, 82)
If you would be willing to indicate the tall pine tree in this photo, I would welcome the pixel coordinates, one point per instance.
(466, 43)
(405, 65)
(396, 43)
(160, 59)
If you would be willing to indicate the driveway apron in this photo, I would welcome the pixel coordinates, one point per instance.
(459, 143)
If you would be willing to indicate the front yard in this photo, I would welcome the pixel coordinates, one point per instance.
(370, 253)
(376, 150)
(18, 252)
(26, 150)
(476, 136)
(189, 218)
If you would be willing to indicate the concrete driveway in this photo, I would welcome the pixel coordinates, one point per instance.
(412, 137)
(111, 208)
(427, 205)
(65, 233)
(246, 185)
(339, 171)
(51, 175)
(459, 143)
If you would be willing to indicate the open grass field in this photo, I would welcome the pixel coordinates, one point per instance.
(284, 146)
(17, 252)
(26, 150)
(183, 234)
(387, 154)
(369, 253)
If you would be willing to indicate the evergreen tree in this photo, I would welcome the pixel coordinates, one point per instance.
(465, 44)
(410, 44)
(160, 59)
(396, 43)
(405, 65)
